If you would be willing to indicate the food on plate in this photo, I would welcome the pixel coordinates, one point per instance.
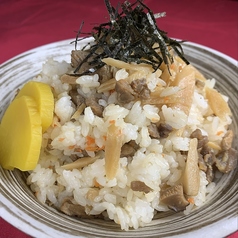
(21, 135)
(22, 124)
(190, 179)
(44, 98)
(217, 103)
(135, 130)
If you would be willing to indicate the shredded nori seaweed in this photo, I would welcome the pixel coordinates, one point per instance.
(130, 36)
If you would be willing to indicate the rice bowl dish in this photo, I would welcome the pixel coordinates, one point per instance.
(218, 206)
(156, 162)
(130, 143)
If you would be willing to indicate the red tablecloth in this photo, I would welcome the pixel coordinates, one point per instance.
(27, 24)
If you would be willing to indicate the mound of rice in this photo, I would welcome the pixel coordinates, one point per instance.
(155, 162)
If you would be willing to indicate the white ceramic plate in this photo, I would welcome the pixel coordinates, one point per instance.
(18, 206)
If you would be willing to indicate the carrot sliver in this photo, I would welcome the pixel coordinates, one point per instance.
(191, 200)
(90, 140)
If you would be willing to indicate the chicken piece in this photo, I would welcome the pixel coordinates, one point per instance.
(105, 73)
(210, 174)
(140, 187)
(153, 131)
(202, 140)
(209, 160)
(140, 87)
(77, 56)
(201, 163)
(174, 198)
(226, 142)
(70, 79)
(125, 93)
(71, 209)
(164, 130)
(159, 131)
(227, 160)
(96, 108)
(76, 98)
(127, 150)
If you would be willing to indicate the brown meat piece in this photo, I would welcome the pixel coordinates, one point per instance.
(127, 150)
(105, 73)
(140, 87)
(209, 159)
(202, 140)
(77, 56)
(70, 79)
(209, 174)
(159, 131)
(76, 98)
(226, 142)
(200, 84)
(196, 134)
(71, 209)
(205, 150)
(49, 147)
(227, 160)
(174, 198)
(153, 131)
(96, 108)
(140, 187)
(164, 130)
(205, 163)
(201, 163)
(125, 93)
(74, 157)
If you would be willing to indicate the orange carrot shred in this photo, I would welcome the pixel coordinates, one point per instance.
(90, 140)
(71, 147)
(94, 148)
(111, 91)
(166, 99)
(96, 183)
(78, 150)
(172, 66)
(191, 200)
(219, 133)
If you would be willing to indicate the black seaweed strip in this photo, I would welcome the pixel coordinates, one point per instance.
(130, 36)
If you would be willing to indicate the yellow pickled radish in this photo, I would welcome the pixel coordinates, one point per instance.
(20, 135)
(44, 98)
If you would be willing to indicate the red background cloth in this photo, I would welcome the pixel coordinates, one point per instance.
(27, 24)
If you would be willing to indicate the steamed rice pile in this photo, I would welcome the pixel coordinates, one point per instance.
(156, 162)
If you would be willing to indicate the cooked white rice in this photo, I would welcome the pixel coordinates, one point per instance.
(156, 162)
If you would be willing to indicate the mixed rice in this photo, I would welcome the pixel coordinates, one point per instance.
(121, 140)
